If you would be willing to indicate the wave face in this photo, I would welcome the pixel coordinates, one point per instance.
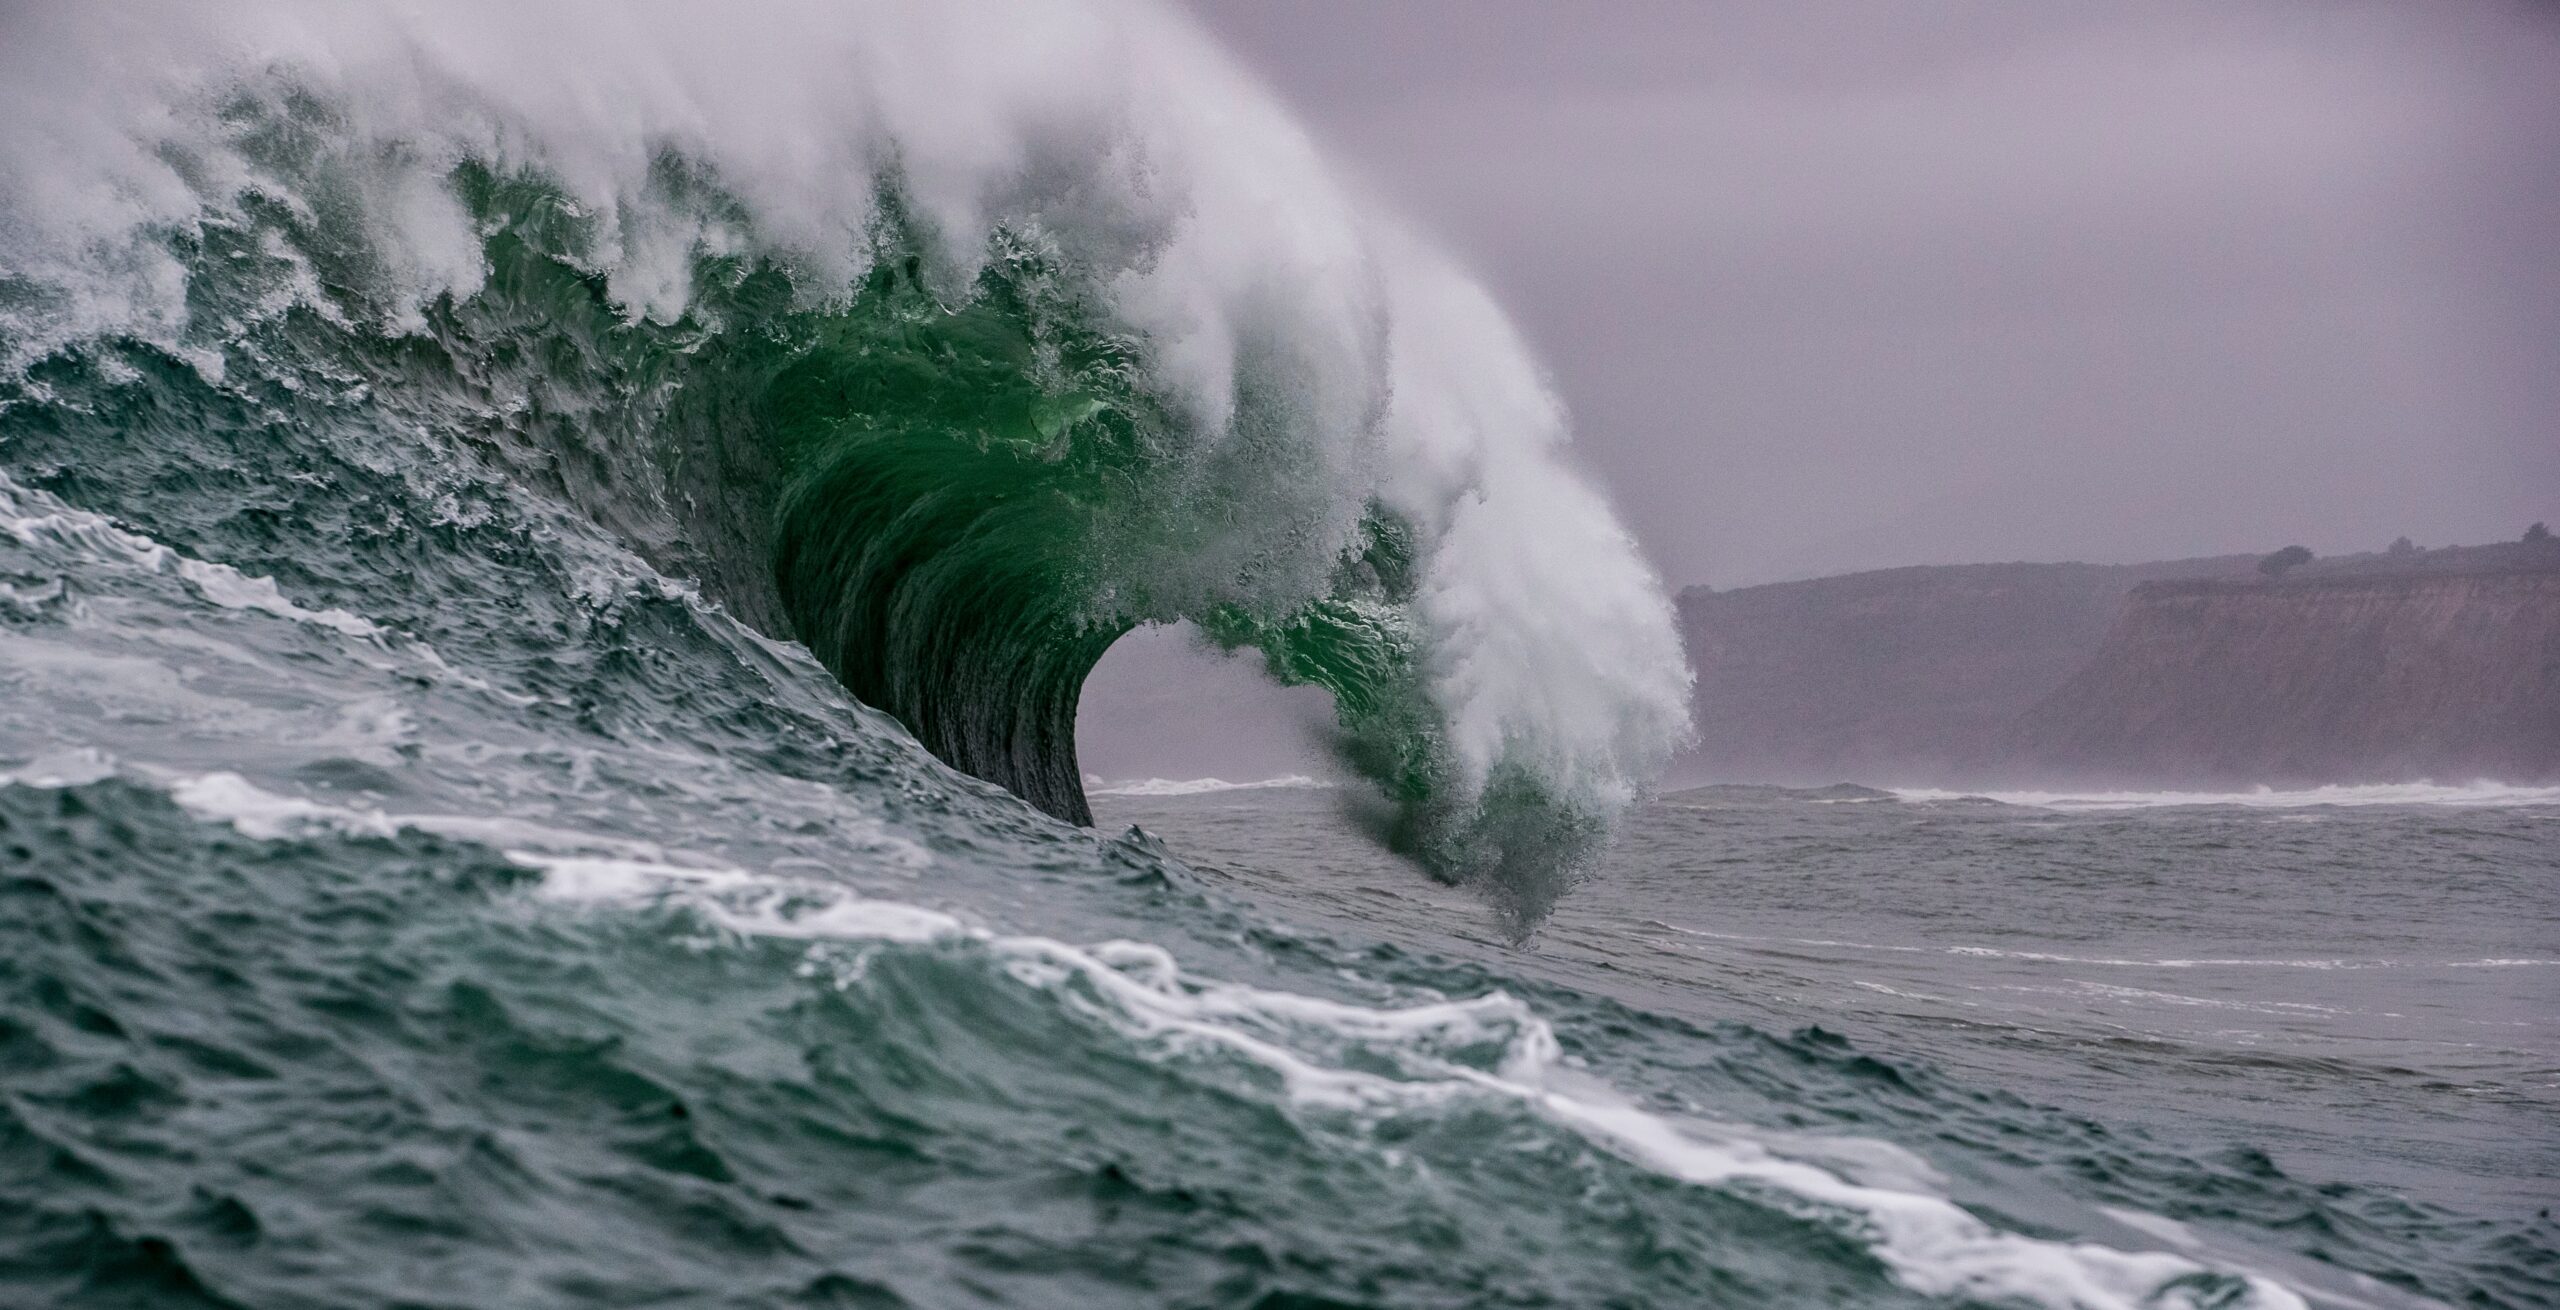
(429, 875)
(954, 345)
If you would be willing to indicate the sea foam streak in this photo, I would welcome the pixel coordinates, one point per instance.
(2482, 793)
(340, 970)
(1188, 376)
(1379, 1064)
(36, 519)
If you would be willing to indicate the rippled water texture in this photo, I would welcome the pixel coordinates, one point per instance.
(2348, 980)
(627, 960)
(464, 472)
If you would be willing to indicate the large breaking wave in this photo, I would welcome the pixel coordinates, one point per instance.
(427, 873)
(952, 340)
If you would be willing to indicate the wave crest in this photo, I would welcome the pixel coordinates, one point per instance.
(955, 346)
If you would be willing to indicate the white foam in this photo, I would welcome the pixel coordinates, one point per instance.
(37, 518)
(1205, 786)
(2323, 964)
(1111, 131)
(1932, 1245)
(1327, 1056)
(2483, 793)
(234, 590)
(257, 812)
(254, 811)
(2109, 961)
(77, 767)
(736, 900)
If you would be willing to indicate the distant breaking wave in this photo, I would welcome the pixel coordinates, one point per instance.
(2397, 793)
(1205, 786)
(954, 340)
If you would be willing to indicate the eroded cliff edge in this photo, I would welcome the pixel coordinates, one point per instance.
(2316, 679)
(2384, 667)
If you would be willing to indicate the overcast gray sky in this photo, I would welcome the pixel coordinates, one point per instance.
(1846, 285)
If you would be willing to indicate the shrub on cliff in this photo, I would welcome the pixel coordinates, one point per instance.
(2276, 565)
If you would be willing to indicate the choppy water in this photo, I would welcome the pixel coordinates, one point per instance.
(2360, 983)
(601, 951)
(431, 873)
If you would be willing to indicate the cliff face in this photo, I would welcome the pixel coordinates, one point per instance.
(2442, 663)
(1913, 673)
(2336, 678)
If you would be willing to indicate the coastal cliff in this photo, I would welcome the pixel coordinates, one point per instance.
(1911, 673)
(2315, 680)
(2442, 663)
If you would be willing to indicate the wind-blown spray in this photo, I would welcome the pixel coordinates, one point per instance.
(972, 338)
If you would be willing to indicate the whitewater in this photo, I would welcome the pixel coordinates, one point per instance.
(1036, 328)
(547, 555)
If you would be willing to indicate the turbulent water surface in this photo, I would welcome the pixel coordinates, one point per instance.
(2360, 982)
(547, 553)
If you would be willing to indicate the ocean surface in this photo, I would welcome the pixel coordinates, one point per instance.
(2357, 982)
(545, 571)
